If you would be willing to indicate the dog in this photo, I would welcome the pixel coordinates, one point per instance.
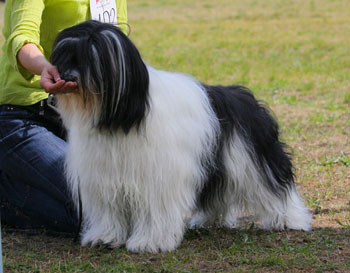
(151, 152)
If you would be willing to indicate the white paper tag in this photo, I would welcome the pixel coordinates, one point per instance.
(104, 11)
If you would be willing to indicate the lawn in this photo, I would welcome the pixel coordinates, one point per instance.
(294, 55)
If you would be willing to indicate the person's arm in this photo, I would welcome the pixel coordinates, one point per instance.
(24, 51)
(33, 60)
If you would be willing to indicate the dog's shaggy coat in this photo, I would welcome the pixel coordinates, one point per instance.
(152, 152)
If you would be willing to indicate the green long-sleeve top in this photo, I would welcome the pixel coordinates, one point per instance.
(38, 22)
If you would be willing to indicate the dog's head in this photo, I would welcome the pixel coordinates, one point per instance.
(110, 73)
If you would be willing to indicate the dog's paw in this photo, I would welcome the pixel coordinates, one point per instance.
(229, 220)
(142, 245)
(199, 220)
(90, 240)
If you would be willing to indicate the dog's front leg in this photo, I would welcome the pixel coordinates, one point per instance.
(103, 223)
(158, 230)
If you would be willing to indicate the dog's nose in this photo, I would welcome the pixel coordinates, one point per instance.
(68, 77)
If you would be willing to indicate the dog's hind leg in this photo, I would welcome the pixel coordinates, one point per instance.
(259, 173)
(254, 189)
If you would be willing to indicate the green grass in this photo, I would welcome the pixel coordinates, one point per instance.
(295, 55)
(207, 250)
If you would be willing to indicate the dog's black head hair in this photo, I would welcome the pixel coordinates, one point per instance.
(107, 65)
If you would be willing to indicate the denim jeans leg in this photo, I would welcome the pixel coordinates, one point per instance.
(33, 189)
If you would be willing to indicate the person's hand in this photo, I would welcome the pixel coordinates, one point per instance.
(52, 82)
(32, 59)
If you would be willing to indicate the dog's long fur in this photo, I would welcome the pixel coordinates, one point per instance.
(153, 151)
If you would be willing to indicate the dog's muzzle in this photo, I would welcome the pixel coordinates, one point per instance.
(68, 77)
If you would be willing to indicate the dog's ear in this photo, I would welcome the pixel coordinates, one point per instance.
(125, 79)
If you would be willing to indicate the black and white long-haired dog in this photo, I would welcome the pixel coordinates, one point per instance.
(154, 152)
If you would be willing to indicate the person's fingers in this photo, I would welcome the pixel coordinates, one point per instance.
(54, 73)
(52, 83)
(72, 84)
(67, 87)
(51, 86)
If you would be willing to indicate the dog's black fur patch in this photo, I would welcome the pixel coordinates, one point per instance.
(238, 110)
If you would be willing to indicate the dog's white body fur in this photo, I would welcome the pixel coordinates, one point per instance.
(139, 189)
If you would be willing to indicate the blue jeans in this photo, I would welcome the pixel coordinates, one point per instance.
(33, 189)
